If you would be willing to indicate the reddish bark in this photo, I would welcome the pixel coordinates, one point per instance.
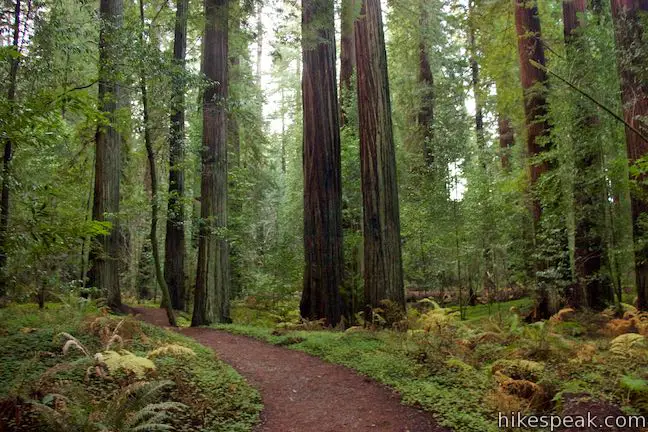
(589, 187)
(322, 166)
(211, 299)
(174, 257)
(347, 53)
(105, 251)
(506, 140)
(533, 78)
(383, 270)
(632, 60)
(425, 115)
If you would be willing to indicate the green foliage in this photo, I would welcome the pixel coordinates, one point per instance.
(484, 365)
(192, 389)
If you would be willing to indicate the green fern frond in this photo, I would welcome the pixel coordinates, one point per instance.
(126, 360)
(628, 344)
(171, 350)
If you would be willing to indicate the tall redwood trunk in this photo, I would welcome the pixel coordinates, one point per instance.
(589, 185)
(484, 198)
(383, 269)
(234, 139)
(105, 250)
(175, 245)
(632, 59)
(425, 114)
(347, 53)
(324, 267)
(533, 79)
(211, 300)
(14, 62)
(475, 79)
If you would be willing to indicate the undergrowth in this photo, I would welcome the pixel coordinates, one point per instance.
(465, 372)
(74, 367)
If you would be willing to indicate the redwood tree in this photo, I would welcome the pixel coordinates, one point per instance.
(632, 56)
(14, 62)
(590, 288)
(534, 79)
(174, 257)
(105, 251)
(425, 114)
(322, 166)
(211, 300)
(506, 140)
(347, 52)
(383, 269)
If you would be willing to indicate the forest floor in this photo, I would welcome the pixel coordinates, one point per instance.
(74, 367)
(303, 393)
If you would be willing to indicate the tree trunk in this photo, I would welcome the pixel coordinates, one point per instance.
(383, 269)
(425, 115)
(211, 300)
(590, 289)
(347, 54)
(534, 79)
(14, 62)
(105, 250)
(474, 73)
(259, 47)
(323, 255)
(175, 245)
(632, 60)
(506, 140)
(166, 300)
(234, 141)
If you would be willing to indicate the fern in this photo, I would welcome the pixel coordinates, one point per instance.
(637, 389)
(629, 344)
(171, 350)
(73, 342)
(125, 360)
(135, 409)
(153, 417)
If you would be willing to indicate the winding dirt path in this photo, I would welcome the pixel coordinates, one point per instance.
(302, 393)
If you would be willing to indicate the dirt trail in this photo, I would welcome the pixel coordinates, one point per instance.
(302, 393)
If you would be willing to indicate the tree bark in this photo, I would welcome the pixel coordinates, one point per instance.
(175, 245)
(105, 250)
(234, 138)
(474, 73)
(425, 115)
(632, 60)
(534, 79)
(211, 300)
(166, 300)
(383, 269)
(323, 255)
(259, 47)
(484, 199)
(591, 288)
(347, 54)
(14, 63)
(506, 140)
